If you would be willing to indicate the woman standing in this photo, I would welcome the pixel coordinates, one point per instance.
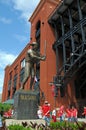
(39, 112)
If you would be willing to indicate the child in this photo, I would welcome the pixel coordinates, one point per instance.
(54, 115)
(39, 112)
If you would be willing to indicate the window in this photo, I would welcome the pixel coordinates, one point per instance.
(15, 81)
(21, 74)
(23, 63)
(9, 84)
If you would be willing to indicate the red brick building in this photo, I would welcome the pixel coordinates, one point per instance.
(62, 25)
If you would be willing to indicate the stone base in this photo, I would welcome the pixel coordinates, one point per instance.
(25, 104)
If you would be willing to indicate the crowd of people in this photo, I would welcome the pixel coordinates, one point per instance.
(70, 113)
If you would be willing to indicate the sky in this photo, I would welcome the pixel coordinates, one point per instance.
(14, 30)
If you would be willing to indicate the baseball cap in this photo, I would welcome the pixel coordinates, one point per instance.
(33, 43)
(46, 102)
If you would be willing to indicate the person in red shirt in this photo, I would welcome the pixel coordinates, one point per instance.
(68, 114)
(74, 113)
(61, 113)
(84, 113)
(46, 112)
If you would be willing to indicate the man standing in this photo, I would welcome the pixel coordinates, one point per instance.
(74, 113)
(32, 57)
(46, 112)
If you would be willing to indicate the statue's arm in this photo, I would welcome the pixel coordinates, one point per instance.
(34, 55)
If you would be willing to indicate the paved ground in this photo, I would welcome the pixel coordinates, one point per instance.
(38, 121)
(13, 121)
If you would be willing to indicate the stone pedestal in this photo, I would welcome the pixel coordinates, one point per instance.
(25, 104)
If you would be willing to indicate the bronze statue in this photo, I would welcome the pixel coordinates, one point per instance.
(32, 57)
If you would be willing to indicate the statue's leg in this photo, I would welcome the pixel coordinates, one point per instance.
(32, 76)
(26, 74)
(31, 82)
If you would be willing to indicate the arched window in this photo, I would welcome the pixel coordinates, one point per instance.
(37, 35)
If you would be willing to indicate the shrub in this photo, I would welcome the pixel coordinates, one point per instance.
(67, 125)
(4, 108)
(16, 127)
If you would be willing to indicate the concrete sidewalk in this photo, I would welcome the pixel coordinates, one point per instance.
(79, 119)
(14, 121)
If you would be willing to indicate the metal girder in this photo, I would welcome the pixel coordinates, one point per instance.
(73, 52)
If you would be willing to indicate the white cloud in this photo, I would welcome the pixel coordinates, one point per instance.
(5, 59)
(5, 20)
(26, 7)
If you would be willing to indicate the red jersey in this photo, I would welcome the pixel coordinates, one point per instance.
(68, 112)
(84, 110)
(74, 112)
(46, 110)
(61, 111)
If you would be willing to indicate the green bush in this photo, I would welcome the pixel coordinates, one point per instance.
(16, 127)
(19, 127)
(66, 125)
(4, 107)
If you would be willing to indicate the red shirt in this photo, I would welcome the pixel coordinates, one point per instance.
(85, 110)
(61, 111)
(68, 112)
(74, 112)
(46, 110)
